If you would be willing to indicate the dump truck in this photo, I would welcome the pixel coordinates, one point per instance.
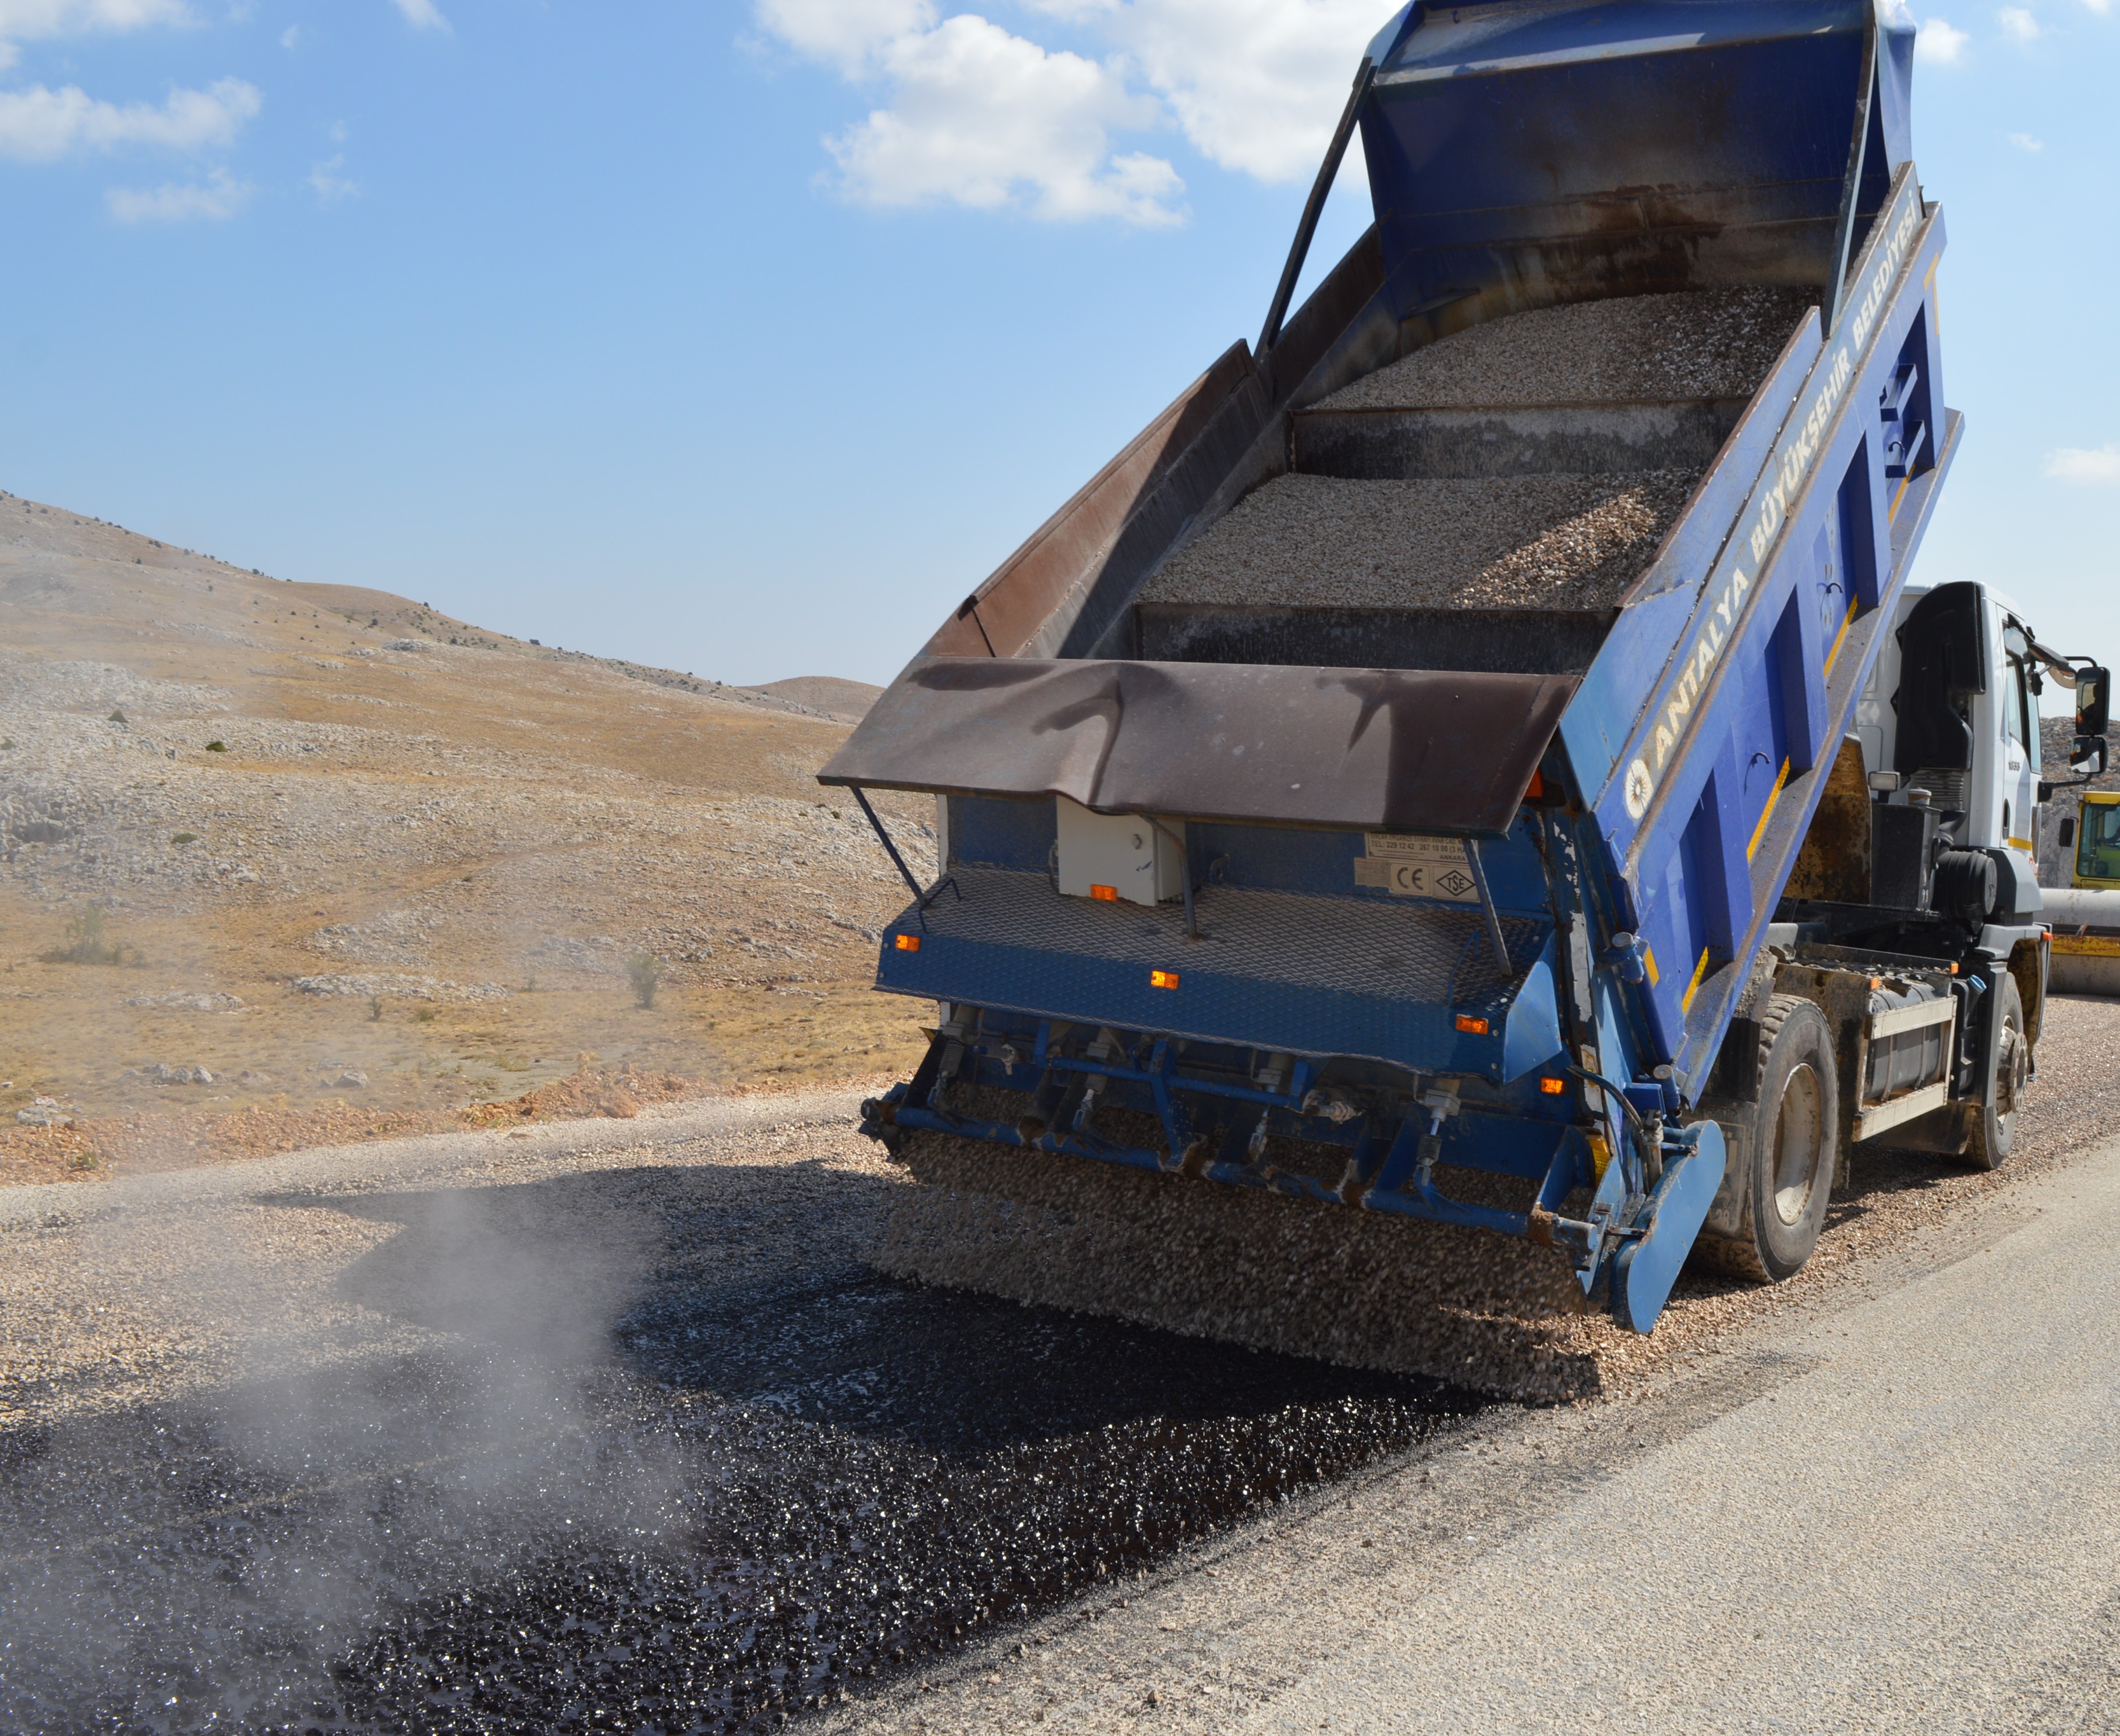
(1477, 755)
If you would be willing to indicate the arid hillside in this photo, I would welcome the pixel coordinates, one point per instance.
(283, 861)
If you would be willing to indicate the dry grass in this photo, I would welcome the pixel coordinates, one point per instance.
(465, 840)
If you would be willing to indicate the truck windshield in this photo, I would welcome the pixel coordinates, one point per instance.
(2098, 842)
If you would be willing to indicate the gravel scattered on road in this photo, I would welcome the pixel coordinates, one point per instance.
(605, 1426)
(1374, 1292)
(1211, 1260)
(487, 1432)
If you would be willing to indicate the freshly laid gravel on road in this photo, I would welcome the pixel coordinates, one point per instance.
(1485, 542)
(604, 1427)
(1906, 1484)
(610, 1426)
(1656, 349)
(1357, 1288)
(1211, 1260)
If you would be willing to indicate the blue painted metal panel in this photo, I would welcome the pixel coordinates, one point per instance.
(1646, 1267)
(1494, 157)
(1712, 719)
(985, 832)
(1385, 981)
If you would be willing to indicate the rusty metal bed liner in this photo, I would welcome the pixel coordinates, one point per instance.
(1448, 752)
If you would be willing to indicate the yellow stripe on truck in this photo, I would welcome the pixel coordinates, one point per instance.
(1767, 813)
(1693, 988)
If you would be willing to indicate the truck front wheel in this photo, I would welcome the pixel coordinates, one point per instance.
(1992, 1124)
(1789, 1137)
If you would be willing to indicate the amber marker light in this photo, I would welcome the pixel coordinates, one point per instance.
(1106, 894)
(908, 943)
(1474, 1027)
(1163, 979)
(1553, 1087)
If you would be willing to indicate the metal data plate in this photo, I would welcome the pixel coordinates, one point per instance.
(1411, 867)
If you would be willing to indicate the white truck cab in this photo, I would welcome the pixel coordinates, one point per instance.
(1950, 721)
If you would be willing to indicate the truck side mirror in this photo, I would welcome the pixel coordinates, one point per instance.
(2068, 833)
(2094, 701)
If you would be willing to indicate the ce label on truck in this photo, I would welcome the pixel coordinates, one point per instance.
(1416, 867)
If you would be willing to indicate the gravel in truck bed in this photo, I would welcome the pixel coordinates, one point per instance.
(1485, 542)
(1658, 349)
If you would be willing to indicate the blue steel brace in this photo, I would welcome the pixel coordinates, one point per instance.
(921, 900)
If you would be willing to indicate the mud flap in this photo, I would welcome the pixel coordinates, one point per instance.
(1646, 1267)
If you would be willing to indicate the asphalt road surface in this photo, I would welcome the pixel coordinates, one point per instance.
(1897, 1509)
(606, 1428)
(609, 1429)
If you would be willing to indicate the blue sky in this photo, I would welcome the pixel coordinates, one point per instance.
(746, 337)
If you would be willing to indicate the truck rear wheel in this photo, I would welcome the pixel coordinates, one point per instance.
(1790, 1145)
(1992, 1125)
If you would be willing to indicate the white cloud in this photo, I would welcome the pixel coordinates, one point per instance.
(24, 20)
(2100, 7)
(2025, 142)
(848, 35)
(32, 20)
(2018, 23)
(1940, 43)
(219, 199)
(2095, 468)
(971, 113)
(39, 125)
(290, 36)
(329, 185)
(423, 15)
(1256, 85)
(982, 118)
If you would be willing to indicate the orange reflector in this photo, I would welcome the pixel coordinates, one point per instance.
(1537, 789)
(1163, 979)
(908, 943)
(1109, 894)
(1553, 1087)
(1477, 1027)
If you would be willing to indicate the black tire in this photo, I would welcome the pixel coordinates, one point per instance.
(1992, 1124)
(1789, 1140)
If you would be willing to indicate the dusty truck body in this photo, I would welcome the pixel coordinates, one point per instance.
(1280, 852)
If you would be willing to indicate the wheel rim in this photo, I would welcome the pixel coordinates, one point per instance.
(1796, 1144)
(2010, 1070)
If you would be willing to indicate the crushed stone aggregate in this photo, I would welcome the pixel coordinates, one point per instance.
(1551, 541)
(1656, 349)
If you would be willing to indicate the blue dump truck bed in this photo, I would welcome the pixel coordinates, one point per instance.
(1387, 770)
